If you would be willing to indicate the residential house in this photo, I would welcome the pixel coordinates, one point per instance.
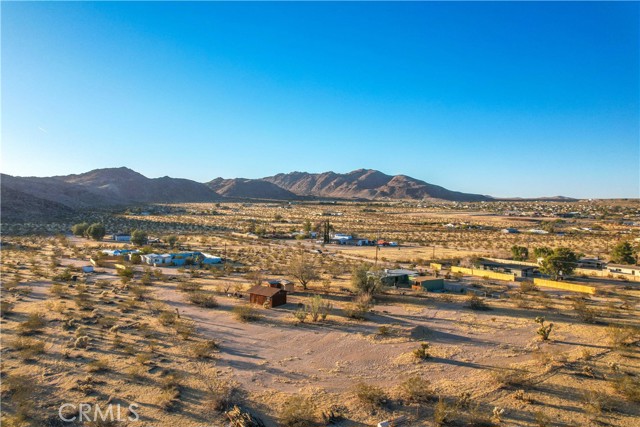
(633, 270)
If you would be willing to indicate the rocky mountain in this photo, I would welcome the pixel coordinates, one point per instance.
(366, 184)
(243, 188)
(96, 189)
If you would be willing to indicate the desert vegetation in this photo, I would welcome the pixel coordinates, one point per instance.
(347, 348)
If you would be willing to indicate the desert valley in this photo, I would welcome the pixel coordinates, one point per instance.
(306, 308)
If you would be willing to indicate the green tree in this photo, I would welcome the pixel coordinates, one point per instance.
(623, 253)
(519, 253)
(542, 252)
(561, 262)
(139, 238)
(171, 240)
(303, 270)
(80, 229)
(366, 280)
(306, 227)
(96, 231)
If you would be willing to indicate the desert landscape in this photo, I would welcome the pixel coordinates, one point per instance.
(186, 345)
(320, 214)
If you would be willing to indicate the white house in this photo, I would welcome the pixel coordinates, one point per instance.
(633, 270)
(119, 237)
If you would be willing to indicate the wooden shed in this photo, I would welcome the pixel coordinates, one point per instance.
(272, 297)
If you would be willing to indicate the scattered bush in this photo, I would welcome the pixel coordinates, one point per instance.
(203, 349)
(185, 328)
(627, 386)
(245, 313)
(203, 299)
(422, 353)
(416, 390)
(370, 395)
(297, 412)
(359, 307)
(188, 286)
(34, 324)
(28, 348)
(583, 311)
(474, 302)
(621, 338)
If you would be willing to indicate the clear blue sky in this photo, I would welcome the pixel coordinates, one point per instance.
(506, 99)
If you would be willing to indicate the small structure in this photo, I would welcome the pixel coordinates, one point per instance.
(593, 263)
(281, 284)
(397, 277)
(121, 237)
(633, 270)
(510, 230)
(267, 296)
(428, 283)
(87, 268)
(517, 269)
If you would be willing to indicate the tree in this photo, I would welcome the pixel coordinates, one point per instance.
(255, 277)
(365, 280)
(542, 252)
(623, 253)
(519, 253)
(96, 231)
(171, 240)
(561, 262)
(139, 238)
(303, 270)
(306, 227)
(80, 229)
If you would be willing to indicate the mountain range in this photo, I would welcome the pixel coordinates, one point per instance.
(48, 197)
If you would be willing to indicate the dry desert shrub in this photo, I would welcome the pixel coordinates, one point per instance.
(245, 313)
(622, 338)
(34, 324)
(474, 302)
(185, 328)
(203, 349)
(627, 386)
(298, 411)
(27, 348)
(370, 396)
(416, 390)
(515, 378)
(360, 306)
(203, 299)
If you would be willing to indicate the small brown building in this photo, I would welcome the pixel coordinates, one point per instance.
(273, 297)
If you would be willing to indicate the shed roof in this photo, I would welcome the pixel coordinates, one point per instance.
(421, 279)
(266, 291)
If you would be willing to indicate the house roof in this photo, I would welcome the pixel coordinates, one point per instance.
(266, 291)
(279, 282)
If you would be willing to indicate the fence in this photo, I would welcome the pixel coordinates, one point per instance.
(543, 283)
(484, 273)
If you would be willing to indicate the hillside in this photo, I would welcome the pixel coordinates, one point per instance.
(366, 184)
(249, 189)
(99, 188)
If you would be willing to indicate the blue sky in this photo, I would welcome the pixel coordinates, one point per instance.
(506, 99)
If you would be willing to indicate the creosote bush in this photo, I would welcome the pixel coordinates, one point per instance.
(370, 395)
(297, 412)
(245, 313)
(416, 390)
(203, 299)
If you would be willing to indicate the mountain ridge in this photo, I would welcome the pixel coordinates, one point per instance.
(110, 187)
